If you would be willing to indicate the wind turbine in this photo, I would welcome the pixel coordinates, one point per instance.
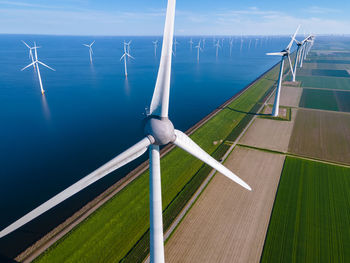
(155, 43)
(299, 54)
(284, 53)
(231, 44)
(30, 52)
(198, 47)
(35, 64)
(191, 43)
(90, 49)
(217, 45)
(203, 43)
(159, 131)
(175, 44)
(125, 55)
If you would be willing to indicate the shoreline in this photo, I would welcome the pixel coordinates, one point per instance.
(61, 230)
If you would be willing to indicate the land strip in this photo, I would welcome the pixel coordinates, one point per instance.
(228, 223)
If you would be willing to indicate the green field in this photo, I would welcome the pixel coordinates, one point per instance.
(329, 60)
(325, 100)
(330, 73)
(110, 234)
(318, 99)
(310, 221)
(324, 82)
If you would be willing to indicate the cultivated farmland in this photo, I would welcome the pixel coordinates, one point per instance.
(325, 82)
(326, 100)
(323, 135)
(269, 134)
(289, 96)
(228, 223)
(310, 219)
(318, 99)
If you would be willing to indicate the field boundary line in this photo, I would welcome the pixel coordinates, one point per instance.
(289, 154)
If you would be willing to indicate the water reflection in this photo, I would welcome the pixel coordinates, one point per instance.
(127, 87)
(46, 109)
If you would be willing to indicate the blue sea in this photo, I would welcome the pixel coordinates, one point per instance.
(91, 112)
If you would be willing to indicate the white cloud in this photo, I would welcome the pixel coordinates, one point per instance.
(150, 22)
(321, 10)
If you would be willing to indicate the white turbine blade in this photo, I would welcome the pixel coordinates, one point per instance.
(122, 57)
(122, 159)
(129, 55)
(275, 54)
(26, 44)
(31, 64)
(185, 142)
(290, 64)
(293, 37)
(160, 100)
(92, 43)
(86, 45)
(46, 65)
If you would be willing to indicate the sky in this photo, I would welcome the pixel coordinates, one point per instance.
(193, 17)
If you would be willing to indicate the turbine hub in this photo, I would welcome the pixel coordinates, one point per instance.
(161, 129)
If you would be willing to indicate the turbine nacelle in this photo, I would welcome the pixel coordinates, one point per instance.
(161, 130)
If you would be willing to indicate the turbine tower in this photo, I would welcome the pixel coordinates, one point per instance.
(217, 45)
(284, 53)
(30, 52)
(191, 43)
(155, 43)
(198, 47)
(90, 49)
(35, 64)
(125, 55)
(159, 131)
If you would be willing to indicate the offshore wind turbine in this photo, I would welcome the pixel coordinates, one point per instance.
(217, 45)
(124, 56)
(155, 43)
(198, 47)
(36, 63)
(284, 53)
(30, 52)
(90, 49)
(191, 43)
(175, 44)
(159, 131)
(231, 44)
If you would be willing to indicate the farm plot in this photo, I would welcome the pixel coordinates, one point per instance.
(325, 100)
(229, 223)
(325, 82)
(330, 73)
(319, 99)
(322, 135)
(289, 97)
(270, 134)
(329, 60)
(310, 219)
(331, 66)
